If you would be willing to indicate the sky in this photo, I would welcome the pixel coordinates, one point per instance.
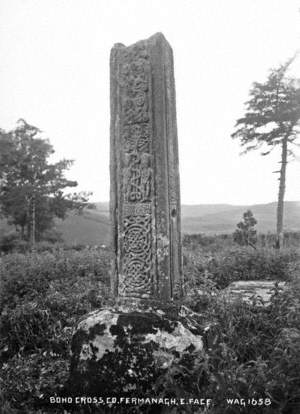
(54, 73)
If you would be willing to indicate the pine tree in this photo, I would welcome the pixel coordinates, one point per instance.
(245, 234)
(272, 120)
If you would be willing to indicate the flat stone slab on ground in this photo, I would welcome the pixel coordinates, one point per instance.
(246, 289)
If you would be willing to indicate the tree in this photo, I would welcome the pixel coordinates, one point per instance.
(31, 188)
(245, 234)
(272, 120)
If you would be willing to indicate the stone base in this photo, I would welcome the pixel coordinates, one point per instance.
(122, 351)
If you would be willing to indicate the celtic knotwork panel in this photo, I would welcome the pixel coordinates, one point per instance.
(137, 175)
(145, 205)
(137, 235)
(136, 279)
(136, 275)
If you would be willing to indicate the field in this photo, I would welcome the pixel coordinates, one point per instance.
(255, 355)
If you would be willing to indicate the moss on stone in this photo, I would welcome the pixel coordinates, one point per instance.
(118, 352)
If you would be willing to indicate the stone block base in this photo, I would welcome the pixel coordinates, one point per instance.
(120, 351)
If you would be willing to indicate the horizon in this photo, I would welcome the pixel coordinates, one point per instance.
(213, 204)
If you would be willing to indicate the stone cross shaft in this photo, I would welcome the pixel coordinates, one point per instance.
(144, 199)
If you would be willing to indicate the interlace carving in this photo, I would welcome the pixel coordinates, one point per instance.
(136, 275)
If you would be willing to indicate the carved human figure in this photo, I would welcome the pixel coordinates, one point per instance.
(146, 176)
(126, 176)
(144, 172)
(135, 193)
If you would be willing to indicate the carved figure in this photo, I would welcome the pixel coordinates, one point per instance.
(146, 176)
(145, 209)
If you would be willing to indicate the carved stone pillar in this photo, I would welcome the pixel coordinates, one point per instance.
(145, 200)
(123, 349)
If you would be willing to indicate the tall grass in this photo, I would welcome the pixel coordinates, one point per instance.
(253, 351)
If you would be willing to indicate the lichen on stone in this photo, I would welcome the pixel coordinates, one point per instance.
(180, 339)
(117, 350)
(104, 316)
(102, 341)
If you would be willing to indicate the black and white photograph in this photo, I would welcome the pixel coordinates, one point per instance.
(149, 206)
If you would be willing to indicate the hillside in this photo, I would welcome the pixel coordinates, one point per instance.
(223, 218)
(92, 227)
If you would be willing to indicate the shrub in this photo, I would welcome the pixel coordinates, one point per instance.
(11, 241)
(254, 351)
(28, 381)
(245, 233)
(247, 264)
(229, 265)
(27, 276)
(207, 243)
(42, 297)
(256, 354)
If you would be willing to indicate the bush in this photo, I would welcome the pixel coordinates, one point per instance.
(254, 351)
(42, 297)
(245, 233)
(218, 242)
(28, 381)
(256, 355)
(11, 241)
(249, 264)
(27, 276)
(207, 243)
(229, 265)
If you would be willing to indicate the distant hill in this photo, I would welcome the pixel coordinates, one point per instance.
(92, 227)
(200, 210)
(223, 218)
(102, 207)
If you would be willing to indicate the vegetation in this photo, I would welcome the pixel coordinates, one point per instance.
(255, 354)
(271, 120)
(31, 188)
(245, 234)
(252, 353)
(42, 296)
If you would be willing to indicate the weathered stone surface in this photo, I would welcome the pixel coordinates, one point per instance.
(259, 289)
(123, 350)
(144, 200)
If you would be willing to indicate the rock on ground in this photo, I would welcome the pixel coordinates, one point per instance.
(123, 351)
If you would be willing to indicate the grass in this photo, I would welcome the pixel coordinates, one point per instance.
(255, 351)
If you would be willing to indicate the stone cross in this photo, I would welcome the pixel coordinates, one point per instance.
(144, 199)
(123, 349)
